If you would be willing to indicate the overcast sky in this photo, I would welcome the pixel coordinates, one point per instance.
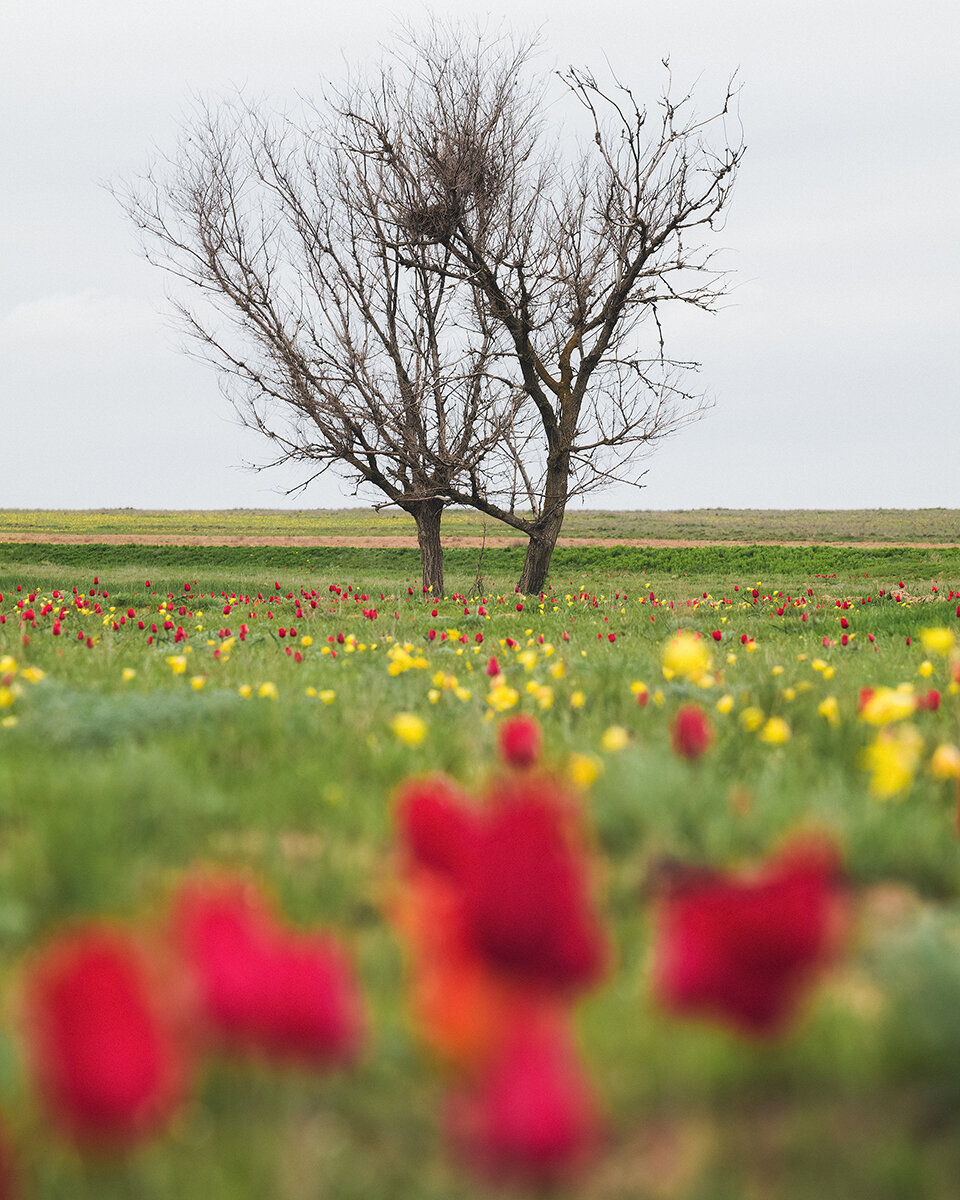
(833, 366)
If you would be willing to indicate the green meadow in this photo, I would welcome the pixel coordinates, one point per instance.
(246, 734)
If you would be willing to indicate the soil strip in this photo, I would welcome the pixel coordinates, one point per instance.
(410, 543)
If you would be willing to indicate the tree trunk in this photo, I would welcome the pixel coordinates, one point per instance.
(537, 563)
(547, 530)
(427, 514)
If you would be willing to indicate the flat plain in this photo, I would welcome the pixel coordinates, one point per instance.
(903, 527)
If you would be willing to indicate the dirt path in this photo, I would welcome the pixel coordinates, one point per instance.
(410, 543)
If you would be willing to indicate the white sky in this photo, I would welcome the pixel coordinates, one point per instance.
(834, 366)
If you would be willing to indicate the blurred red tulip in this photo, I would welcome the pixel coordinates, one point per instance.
(531, 1116)
(520, 741)
(263, 987)
(105, 1035)
(691, 732)
(436, 825)
(525, 895)
(518, 874)
(311, 1011)
(743, 949)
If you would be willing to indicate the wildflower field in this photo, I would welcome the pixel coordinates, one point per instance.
(312, 884)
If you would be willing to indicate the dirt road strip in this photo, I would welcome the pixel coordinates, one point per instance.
(410, 543)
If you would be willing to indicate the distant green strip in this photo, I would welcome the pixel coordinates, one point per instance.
(742, 561)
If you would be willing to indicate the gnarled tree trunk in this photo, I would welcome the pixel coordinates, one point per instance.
(546, 530)
(427, 514)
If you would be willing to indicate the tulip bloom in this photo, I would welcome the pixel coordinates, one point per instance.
(685, 654)
(496, 909)
(262, 987)
(744, 949)
(531, 1116)
(436, 825)
(691, 732)
(105, 1037)
(516, 879)
(884, 705)
(525, 896)
(520, 741)
(892, 759)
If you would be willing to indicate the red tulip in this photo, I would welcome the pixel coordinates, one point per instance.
(929, 702)
(691, 732)
(525, 896)
(311, 1010)
(518, 878)
(743, 949)
(105, 1036)
(263, 987)
(520, 741)
(436, 825)
(531, 1116)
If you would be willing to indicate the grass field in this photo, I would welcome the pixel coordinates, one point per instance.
(935, 526)
(128, 756)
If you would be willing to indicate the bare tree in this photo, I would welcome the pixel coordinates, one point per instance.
(338, 341)
(569, 251)
(425, 282)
